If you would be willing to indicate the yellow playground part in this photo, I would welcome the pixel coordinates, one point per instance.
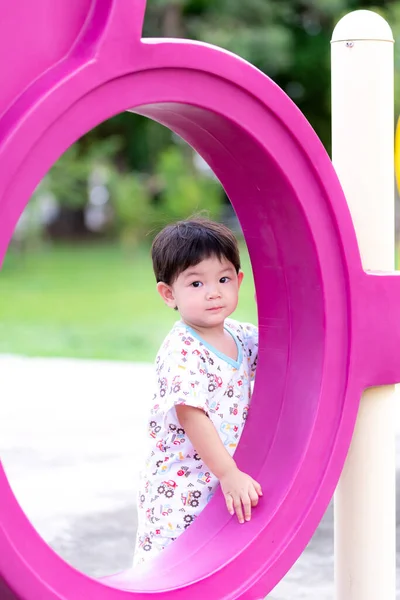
(397, 155)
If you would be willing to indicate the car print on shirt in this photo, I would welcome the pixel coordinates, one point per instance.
(179, 437)
(214, 382)
(167, 488)
(154, 429)
(191, 498)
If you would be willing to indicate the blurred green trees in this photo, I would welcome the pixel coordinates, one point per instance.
(130, 175)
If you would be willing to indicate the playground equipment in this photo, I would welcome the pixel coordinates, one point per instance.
(328, 329)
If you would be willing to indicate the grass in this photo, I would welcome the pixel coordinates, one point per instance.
(93, 301)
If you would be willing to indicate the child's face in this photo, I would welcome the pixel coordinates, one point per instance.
(205, 294)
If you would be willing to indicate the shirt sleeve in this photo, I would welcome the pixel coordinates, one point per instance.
(250, 334)
(183, 379)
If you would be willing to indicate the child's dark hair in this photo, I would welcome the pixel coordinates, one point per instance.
(186, 243)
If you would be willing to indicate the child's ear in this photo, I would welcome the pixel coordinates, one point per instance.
(166, 294)
(240, 277)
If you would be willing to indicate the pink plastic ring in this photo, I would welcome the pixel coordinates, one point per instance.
(327, 329)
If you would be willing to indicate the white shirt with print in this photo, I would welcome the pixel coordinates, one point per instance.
(175, 484)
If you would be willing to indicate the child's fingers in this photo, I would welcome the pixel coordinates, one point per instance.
(229, 504)
(253, 496)
(257, 487)
(246, 501)
(238, 509)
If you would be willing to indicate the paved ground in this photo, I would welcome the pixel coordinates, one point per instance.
(70, 436)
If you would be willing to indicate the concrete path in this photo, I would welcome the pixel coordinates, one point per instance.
(71, 434)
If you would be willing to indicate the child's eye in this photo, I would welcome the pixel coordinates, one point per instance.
(224, 280)
(196, 284)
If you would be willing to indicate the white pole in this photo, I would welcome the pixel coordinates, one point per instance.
(362, 150)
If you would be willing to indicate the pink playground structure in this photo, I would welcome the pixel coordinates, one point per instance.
(328, 329)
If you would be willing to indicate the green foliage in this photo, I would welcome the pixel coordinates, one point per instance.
(139, 202)
(133, 209)
(181, 190)
(185, 190)
(68, 178)
(255, 30)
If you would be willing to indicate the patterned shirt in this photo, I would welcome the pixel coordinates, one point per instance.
(175, 484)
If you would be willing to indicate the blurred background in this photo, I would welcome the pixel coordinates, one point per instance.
(78, 273)
(77, 283)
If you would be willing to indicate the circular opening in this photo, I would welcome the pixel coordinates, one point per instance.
(73, 446)
(283, 209)
(292, 333)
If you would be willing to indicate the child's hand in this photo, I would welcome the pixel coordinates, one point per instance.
(241, 493)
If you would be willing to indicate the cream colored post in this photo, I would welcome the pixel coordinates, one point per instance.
(362, 152)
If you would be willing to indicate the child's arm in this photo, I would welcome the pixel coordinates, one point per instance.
(240, 490)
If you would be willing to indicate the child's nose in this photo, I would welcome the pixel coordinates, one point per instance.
(213, 292)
